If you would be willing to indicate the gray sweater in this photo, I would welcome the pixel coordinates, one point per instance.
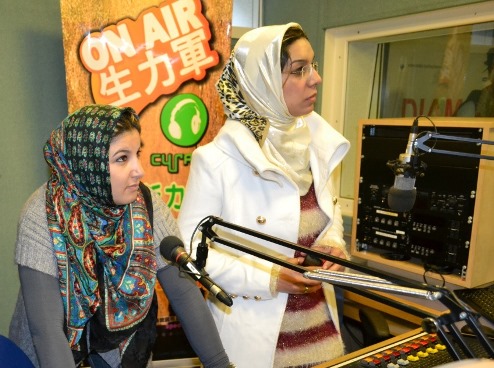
(34, 316)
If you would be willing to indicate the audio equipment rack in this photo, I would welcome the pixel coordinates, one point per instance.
(448, 233)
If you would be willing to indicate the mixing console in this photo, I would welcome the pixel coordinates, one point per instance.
(422, 350)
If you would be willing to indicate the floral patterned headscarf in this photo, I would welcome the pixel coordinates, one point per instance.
(104, 252)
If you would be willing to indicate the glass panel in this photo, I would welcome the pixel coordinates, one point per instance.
(246, 13)
(442, 72)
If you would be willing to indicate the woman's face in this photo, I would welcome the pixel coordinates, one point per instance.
(125, 167)
(300, 88)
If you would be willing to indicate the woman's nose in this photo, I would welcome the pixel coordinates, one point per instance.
(315, 78)
(139, 169)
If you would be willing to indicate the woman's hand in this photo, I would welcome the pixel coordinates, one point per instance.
(327, 265)
(294, 282)
(332, 251)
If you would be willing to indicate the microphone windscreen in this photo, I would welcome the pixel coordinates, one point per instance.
(401, 200)
(168, 246)
(404, 183)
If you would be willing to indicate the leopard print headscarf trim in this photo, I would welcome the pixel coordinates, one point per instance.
(235, 105)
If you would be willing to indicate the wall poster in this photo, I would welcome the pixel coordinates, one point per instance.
(162, 58)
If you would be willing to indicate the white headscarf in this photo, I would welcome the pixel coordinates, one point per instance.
(251, 89)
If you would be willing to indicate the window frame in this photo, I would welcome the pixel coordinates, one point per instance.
(336, 59)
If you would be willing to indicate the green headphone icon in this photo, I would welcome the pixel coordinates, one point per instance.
(184, 120)
(195, 122)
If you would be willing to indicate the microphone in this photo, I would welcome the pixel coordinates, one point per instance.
(401, 196)
(172, 249)
(202, 253)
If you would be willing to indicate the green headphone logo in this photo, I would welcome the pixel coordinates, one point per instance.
(184, 120)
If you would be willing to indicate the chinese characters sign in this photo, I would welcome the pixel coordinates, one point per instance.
(134, 62)
(161, 58)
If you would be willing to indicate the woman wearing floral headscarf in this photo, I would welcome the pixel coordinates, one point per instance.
(87, 254)
(269, 169)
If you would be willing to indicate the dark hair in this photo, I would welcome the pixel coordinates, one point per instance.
(489, 61)
(292, 34)
(128, 121)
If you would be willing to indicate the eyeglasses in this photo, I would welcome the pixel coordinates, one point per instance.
(306, 70)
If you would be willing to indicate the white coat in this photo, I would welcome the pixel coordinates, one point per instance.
(230, 178)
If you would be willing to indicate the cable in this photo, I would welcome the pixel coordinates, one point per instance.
(355, 339)
(195, 231)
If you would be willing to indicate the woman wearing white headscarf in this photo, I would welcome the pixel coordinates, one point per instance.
(269, 169)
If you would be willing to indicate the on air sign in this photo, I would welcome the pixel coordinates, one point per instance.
(160, 57)
(133, 62)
